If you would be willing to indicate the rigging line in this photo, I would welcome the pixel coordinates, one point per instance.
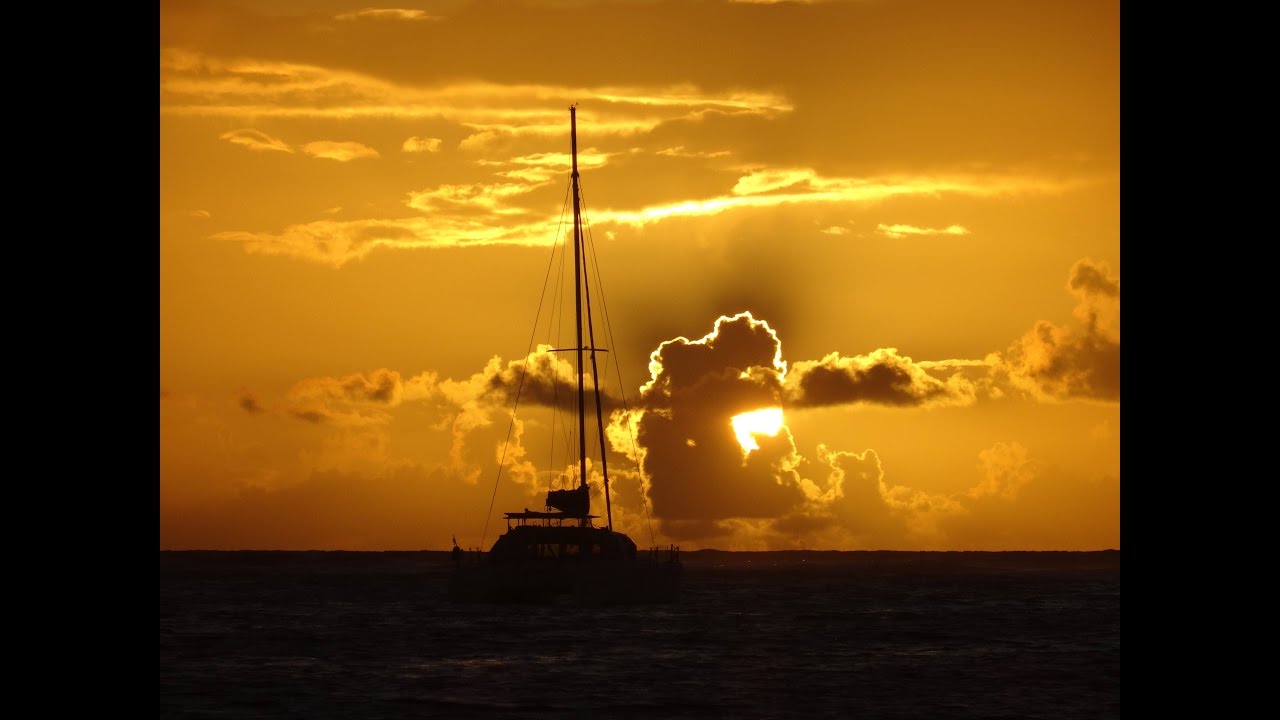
(622, 391)
(556, 304)
(524, 370)
(595, 379)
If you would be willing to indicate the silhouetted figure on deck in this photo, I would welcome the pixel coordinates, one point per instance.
(457, 552)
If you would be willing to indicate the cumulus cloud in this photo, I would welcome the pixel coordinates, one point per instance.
(1006, 468)
(1055, 362)
(255, 140)
(690, 472)
(421, 144)
(340, 151)
(697, 472)
(708, 484)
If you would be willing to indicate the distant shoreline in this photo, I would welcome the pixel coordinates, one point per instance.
(707, 551)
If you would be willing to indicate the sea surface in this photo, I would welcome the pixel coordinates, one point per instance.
(756, 635)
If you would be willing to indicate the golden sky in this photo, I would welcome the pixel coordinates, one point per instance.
(890, 225)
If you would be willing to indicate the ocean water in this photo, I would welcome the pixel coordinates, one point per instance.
(755, 635)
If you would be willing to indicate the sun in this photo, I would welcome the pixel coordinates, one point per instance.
(766, 421)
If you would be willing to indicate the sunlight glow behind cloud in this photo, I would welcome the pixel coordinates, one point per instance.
(767, 421)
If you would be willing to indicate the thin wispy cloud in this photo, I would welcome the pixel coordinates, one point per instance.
(897, 231)
(255, 140)
(340, 151)
(196, 84)
(482, 214)
(335, 243)
(386, 14)
(805, 186)
(419, 145)
(680, 151)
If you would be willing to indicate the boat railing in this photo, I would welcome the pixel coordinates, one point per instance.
(473, 556)
(670, 553)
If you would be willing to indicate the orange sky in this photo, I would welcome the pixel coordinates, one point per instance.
(916, 201)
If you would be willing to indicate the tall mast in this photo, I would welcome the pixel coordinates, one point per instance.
(577, 287)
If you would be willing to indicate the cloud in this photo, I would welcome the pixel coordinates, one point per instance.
(835, 230)
(544, 378)
(358, 399)
(311, 416)
(707, 485)
(762, 181)
(487, 197)
(335, 243)
(386, 14)
(198, 84)
(1020, 503)
(1054, 362)
(202, 214)
(539, 168)
(696, 469)
(419, 144)
(881, 377)
(1006, 468)
(381, 386)
(255, 140)
(340, 151)
(249, 403)
(680, 151)
(805, 186)
(897, 231)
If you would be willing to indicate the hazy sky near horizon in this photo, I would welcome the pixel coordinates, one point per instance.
(893, 225)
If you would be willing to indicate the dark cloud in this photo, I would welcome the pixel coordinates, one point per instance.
(739, 343)
(311, 416)
(249, 403)
(549, 378)
(1093, 278)
(1068, 363)
(882, 377)
(382, 386)
(697, 470)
